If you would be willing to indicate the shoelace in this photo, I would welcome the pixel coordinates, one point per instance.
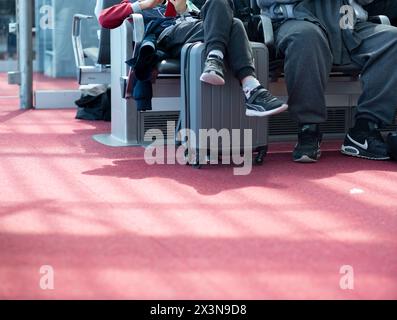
(266, 97)
(214, 63)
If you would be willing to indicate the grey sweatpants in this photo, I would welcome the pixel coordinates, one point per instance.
(219, 31)
(308, 61)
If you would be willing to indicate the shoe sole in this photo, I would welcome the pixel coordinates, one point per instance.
(252, 113)
(212, 78)
(355, 155)
(306, 159)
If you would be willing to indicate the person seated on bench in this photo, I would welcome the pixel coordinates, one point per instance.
(311, 37)
(223, 35)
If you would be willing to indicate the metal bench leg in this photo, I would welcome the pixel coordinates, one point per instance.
(125, 117)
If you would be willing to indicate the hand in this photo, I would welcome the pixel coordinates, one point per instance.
(180, 5)
(149, 4)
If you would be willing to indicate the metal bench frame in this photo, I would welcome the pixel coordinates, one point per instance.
(87, 74)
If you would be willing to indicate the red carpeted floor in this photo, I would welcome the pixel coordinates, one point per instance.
(113, 227)
(40, 82)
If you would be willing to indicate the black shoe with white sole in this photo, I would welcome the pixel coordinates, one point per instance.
(308, 149)
(365, 144)
(145, 61)
(214, 71)
(262, 103)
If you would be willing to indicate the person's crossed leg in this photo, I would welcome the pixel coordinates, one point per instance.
(225, 38)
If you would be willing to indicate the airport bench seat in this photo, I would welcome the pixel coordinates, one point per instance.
(129, 125)
(169, 66)
(98, 70)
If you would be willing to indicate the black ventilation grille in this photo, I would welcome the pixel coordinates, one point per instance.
(338, 121)
(158, 121)
(282, 126)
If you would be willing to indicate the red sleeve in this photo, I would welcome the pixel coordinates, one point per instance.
(114, 16)
(170, 12)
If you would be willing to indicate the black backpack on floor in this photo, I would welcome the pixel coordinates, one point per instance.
(94, 107)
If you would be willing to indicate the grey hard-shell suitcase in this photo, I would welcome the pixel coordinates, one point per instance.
(204, 106)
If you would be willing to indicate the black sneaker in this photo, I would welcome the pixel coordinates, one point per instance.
(309, 141)
(365, 144)
(145, 61)
(214, 71)
(262, 103)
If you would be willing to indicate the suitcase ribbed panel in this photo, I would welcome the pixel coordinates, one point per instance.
(221, 107)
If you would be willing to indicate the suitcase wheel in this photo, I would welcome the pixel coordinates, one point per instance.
(260, 156)
(197, 166)
(196, 163)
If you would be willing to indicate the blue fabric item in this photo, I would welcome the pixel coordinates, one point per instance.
(145, 63)
(142, 94)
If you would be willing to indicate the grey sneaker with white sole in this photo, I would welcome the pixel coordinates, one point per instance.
(214, 71)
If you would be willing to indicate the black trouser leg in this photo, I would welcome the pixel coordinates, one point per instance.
(239, 52)
(214, 29)
(227, 34)
(308, 62)
(220, 31)
(217, 18)
(377, 54)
